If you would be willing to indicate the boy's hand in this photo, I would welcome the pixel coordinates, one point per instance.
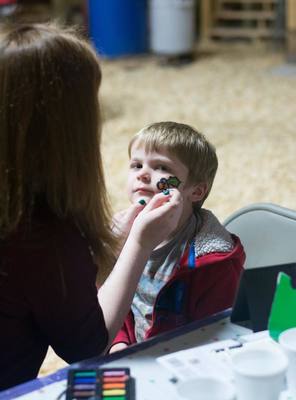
(117, 347)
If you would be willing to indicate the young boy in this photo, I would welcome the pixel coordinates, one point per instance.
(195, 272)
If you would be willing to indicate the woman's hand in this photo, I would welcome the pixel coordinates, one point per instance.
(117, 347)
(123, 220)
(158, 219)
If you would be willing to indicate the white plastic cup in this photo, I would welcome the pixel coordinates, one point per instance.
(205, 388)
(287, 341)
(259, 373)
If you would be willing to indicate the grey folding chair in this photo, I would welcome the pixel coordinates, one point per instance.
(267, 232)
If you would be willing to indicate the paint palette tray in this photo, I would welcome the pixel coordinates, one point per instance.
(100, 384)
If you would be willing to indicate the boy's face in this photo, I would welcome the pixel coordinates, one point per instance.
(147, 168)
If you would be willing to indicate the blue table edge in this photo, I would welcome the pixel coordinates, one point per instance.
(61, 374)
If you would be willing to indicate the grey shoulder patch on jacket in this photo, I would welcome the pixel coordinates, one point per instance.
(212, 237)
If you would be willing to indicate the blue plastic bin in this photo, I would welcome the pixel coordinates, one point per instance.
(118, 27)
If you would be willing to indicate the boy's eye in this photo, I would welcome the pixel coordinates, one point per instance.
(136, 165)
(162, 168)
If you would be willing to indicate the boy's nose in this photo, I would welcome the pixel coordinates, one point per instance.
(144, 177)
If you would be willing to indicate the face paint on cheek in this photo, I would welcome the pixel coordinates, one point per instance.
(164, 184)
(174, 182)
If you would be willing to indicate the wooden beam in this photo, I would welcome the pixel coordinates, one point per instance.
(260, 2)
(247, 15)
(291, 30)
(206, 19)
(245, 33)
(291, 14)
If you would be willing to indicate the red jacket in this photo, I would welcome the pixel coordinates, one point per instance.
(194, 291)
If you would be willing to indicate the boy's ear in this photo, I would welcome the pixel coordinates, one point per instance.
(198, 192)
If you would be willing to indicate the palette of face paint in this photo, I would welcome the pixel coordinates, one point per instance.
(100, 384)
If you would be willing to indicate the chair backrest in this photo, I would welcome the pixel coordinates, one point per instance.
(267, 232)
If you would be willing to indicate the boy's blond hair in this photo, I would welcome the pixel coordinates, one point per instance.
(187, 144)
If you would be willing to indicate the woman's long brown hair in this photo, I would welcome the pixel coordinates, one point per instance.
(50, 132)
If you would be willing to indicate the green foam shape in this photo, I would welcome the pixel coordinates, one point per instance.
(283, 310)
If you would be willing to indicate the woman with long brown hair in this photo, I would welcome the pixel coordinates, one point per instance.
(55, 235)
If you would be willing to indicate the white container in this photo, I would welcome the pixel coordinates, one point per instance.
(205, 388)
(172, 26)
(259, 373)
(287, 341)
